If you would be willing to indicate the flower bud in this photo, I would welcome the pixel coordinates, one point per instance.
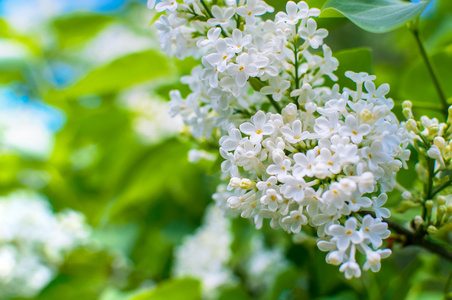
(407, 113)
(407, 104)
(406, 195)
(433, 130)
(406, 205)
(380, 111)
(411, 126)
(365, 115)
(235, 182)
(247, 184)
(373, 258)
(335, 258)
(439, 142)
(448, 213)
(449, 115)
(432, 230)
(418, 221)
(440, 212)
(441, 200)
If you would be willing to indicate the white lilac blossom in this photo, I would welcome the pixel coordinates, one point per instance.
(151, 121)
(33, 242)
(263, 265)
(205, 254)
(297, 152)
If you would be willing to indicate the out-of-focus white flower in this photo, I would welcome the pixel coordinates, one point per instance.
(205, 254)
(34, 241)
(152, 122)
(263, 265)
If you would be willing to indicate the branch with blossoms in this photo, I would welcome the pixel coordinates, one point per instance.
(296, 152)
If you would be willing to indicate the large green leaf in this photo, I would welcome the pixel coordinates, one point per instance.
(417, 85)
(119, 74)
(175, 289)
(377, 15)
(79, 27)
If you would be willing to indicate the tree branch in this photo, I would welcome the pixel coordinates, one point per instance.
(430, 68)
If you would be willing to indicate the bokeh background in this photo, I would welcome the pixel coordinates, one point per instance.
(84, 126)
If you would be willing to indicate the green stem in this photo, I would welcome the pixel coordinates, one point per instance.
(430, 68)
(274, 103)
(440, 187)
(297, 76)
(209, 14)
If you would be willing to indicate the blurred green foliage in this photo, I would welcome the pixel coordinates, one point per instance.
(142, 199)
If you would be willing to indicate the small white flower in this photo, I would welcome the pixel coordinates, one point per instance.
(212, 36)
(250, 10)
(304, 164)
(170, 5)
(293, 15)
(294, 135)
(293, 188)
(326, 127)
(232, 140)
(276, 88)
(294, 221)
(374, 230)
(242, 70)
(373, 260)
(354, 130)
(221, 58)
(375, 155)
(280, 168)
(311, 34)
(238, 41)
(270, 183)
(305, 93)
(272, 199)
(350, 269)
(258, 128)
(344, 235)
(377, 203)
(221, 16)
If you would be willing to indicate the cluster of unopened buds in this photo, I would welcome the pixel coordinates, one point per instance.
(296, 151)
(432, 141)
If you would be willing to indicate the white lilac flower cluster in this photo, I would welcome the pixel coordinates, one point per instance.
(325, 159)
(33, 242)
(205, 254)
(239, 52)
(151, 121)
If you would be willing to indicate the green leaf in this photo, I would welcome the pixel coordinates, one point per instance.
(175, 289)
(79, 27)
(119, 74)
(376, 16)
(356, 60)
(417, 85)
